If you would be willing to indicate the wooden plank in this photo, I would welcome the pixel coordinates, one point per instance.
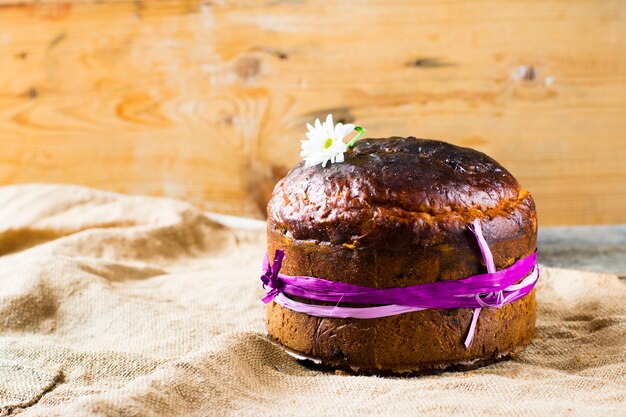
(207, 101)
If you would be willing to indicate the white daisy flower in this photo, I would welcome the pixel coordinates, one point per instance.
(325, 142)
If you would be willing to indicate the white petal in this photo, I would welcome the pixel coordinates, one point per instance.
(338, 129)
(318, 124)
(339, 157)
(310, 128)
(310, 153)
(337, 146)
(309, 145)
(329, 127)
(345, 131)
(313, 159)
(314, 136)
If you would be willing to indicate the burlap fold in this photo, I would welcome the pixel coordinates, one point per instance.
(119, 305)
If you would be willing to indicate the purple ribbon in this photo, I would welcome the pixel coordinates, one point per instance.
(270, 278)
(491, 290)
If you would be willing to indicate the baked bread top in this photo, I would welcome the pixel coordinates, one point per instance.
(399, 191)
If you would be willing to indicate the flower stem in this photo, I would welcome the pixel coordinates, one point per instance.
(354, 139)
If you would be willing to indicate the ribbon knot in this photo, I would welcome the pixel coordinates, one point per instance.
(499, 299)
(270, 279)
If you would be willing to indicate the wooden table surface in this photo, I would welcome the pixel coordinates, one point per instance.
(589, 248)
(207, 100)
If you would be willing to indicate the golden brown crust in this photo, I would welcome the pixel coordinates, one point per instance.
(392, 191)
(407, 226)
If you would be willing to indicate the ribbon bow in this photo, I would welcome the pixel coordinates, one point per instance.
(270, 276)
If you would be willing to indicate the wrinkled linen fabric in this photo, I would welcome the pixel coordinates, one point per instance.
(114, 305)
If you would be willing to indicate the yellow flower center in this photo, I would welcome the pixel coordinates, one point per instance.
(328, 142)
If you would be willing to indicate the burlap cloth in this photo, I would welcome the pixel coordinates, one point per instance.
(119, 306)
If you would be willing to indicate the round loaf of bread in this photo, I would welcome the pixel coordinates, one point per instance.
(395, 214)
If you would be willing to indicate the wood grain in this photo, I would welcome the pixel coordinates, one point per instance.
(207, 101)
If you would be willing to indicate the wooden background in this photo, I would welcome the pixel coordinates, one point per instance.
(207, 100)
